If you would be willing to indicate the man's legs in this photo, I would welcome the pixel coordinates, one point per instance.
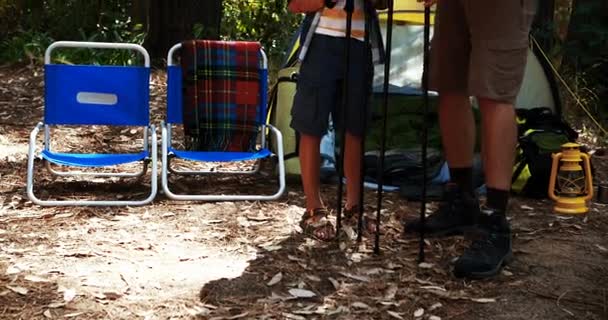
(499, 132)
(492, 250)
(458, 136)
(450, 57)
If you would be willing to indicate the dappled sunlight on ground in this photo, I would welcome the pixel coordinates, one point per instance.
(249, 260)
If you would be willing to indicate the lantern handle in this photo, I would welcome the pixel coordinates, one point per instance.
(588, 177)
(554, 165)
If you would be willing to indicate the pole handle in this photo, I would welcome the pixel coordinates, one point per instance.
(349, 6)
(553, 178)
(588, 177)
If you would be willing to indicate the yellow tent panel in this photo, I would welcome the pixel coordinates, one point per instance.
(408, 12)
(408, 18)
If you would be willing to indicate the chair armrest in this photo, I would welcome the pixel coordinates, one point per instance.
(35, 132)
(278, 136)
(96, 45)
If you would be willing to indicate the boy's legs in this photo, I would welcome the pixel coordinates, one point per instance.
(310, 163)
(359, 90)
(319, 94)
(458, 136)
(352, 169)
(316, 94)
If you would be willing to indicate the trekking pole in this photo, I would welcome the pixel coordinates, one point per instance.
(380, 164)
(349, 7)
(425, 129)
(368, 8)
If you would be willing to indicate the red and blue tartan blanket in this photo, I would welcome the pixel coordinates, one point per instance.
(221, 95)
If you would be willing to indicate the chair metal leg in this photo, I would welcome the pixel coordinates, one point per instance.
(169, 135)
(165, 175)
(80, 173)
(59, 173)
(255, 170)
(36, 200)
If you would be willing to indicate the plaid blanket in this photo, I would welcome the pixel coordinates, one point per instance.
(221, 95)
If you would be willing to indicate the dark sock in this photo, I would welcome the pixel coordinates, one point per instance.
(463, 177)
(497, 199)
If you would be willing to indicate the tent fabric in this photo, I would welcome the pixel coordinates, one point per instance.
(408, 12)
(538, 89)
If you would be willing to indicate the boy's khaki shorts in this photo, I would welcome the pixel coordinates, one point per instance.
(319, 90)
(480, 47)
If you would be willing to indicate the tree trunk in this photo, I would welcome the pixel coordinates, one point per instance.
(171, 22)
(543, 27)
(140, 10)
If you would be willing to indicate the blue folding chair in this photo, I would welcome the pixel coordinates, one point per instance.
(86, 95)
(214, 148)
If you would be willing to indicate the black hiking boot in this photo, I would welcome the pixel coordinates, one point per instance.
(456, 214)
(490, 252)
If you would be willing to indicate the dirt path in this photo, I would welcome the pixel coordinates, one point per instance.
(248, 260)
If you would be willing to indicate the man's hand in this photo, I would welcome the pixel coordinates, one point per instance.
(428, 3)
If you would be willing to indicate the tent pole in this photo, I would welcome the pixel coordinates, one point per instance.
(349, 7)
(425, 129)
(380, 165)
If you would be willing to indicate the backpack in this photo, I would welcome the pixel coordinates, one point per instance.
(279, 115)
(541, 133)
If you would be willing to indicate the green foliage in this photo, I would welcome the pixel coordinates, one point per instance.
(37, 23)
(586, 55)
(24, 45)
(267, 21)
(577, 42)
(27, 27)
(8, 21)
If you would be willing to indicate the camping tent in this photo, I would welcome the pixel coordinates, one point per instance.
(539, 88)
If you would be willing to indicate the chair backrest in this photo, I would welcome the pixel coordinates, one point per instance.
(96, 95)
(219, 93)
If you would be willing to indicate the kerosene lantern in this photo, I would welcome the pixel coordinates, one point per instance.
(571, 184)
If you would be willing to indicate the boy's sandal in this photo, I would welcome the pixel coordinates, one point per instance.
(315, 223)
(351, 217)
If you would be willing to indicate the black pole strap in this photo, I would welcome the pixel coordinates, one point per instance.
(380, 164)
(368, 8)
(425, 129)
(349, 7)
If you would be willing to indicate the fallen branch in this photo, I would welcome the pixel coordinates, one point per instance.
(571, 300)
(559, 306)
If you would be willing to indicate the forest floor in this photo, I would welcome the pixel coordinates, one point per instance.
(249, 260)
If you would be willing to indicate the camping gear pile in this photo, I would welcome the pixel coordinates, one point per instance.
(403, 162)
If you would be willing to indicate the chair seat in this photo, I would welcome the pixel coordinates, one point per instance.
(92, 159)
(219, 156)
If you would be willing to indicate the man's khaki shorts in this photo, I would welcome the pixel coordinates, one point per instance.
(480, 47)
